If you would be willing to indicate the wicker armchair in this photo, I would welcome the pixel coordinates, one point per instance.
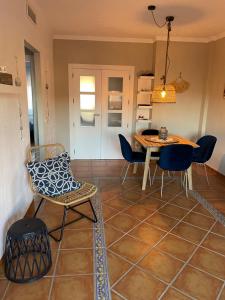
(68, 200)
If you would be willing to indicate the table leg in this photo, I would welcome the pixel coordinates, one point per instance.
(145, 176)
(135, 168)
(189, 173)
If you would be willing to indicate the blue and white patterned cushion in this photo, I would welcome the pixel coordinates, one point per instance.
(52, 177)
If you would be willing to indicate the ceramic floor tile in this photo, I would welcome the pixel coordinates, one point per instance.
(210, 262)
(138, 211)
(77, 239)
(173, 211)
(118, 203)
(108, 212)
(173, 294)
(73, 288)
(189, 232)
(115, 296)
(148, 234)
(198, 284)
(219, 229)
(116, 267)
(199, 220)
(3, 286)
(111, 234)
(151, 204)
(132, 195)
(215, 242)
(123, 222)
(130, 248)
(161, 265)
(74, 262)
(176, 247)
(36, 290)
(139, 285)
(222, 296)
(200, 209)
(184, 202)
(162, 221)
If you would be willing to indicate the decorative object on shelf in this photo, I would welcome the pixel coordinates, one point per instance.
(144, 103)
(17, 79)
(180, 84)
(164, 92)
(163, 133)
(5, 78)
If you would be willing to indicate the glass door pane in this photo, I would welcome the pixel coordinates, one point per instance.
(87, 101)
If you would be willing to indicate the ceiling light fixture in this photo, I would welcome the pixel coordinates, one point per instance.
(164, 92)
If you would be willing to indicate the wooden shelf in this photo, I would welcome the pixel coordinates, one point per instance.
(145, 92)
(147, 77)
(144, 120)
(144, 106)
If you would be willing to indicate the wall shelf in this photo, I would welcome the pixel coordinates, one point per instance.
(144, 105)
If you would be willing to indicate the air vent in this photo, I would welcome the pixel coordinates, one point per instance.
(31, 14)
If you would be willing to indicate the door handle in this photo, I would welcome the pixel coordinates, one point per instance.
(97, 115)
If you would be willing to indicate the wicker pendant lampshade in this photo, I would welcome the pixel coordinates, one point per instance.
(164, 93)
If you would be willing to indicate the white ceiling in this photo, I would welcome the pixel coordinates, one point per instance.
(194, 19)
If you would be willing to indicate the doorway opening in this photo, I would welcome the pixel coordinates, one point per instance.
(32, 99)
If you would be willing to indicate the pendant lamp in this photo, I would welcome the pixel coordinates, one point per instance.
(164, 92)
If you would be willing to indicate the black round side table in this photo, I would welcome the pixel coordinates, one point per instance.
(27, 251)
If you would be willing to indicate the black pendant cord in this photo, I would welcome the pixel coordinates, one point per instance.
(156, 23)
(167, 52)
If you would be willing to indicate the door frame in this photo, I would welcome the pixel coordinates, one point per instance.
(130, 69)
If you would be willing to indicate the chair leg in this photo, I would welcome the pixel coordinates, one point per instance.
(39, 205)
(60, 227)
(162, 183)
(206, 174)
(149, 174)
(124, 165)
(153, 178)
(126, 173)
(186, 184)
(63, 225)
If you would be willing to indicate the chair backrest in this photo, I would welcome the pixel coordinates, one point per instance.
(150, 132)
(125, 148)
(39, 153)
(175, 157)
(204, 152)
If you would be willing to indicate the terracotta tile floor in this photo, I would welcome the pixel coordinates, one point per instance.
(169, 248)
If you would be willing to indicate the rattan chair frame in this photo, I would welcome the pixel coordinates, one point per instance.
(68, 200)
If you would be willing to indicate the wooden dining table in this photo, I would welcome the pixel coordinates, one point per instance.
(152, 146)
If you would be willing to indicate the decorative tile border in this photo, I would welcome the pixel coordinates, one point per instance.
(215, 213)
(102, 286)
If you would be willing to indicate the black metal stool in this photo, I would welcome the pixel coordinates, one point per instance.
(27, 251)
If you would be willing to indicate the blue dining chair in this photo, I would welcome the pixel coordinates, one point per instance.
(154, 154)
(175, 158)
(130, 156)
(202, 154)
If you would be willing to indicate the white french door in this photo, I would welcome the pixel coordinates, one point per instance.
(100, 109)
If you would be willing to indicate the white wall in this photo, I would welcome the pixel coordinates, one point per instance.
(215, 118)
(15, 27)
(184, 116)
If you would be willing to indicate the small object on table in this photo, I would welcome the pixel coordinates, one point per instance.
(27, 251)
(163, 133)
